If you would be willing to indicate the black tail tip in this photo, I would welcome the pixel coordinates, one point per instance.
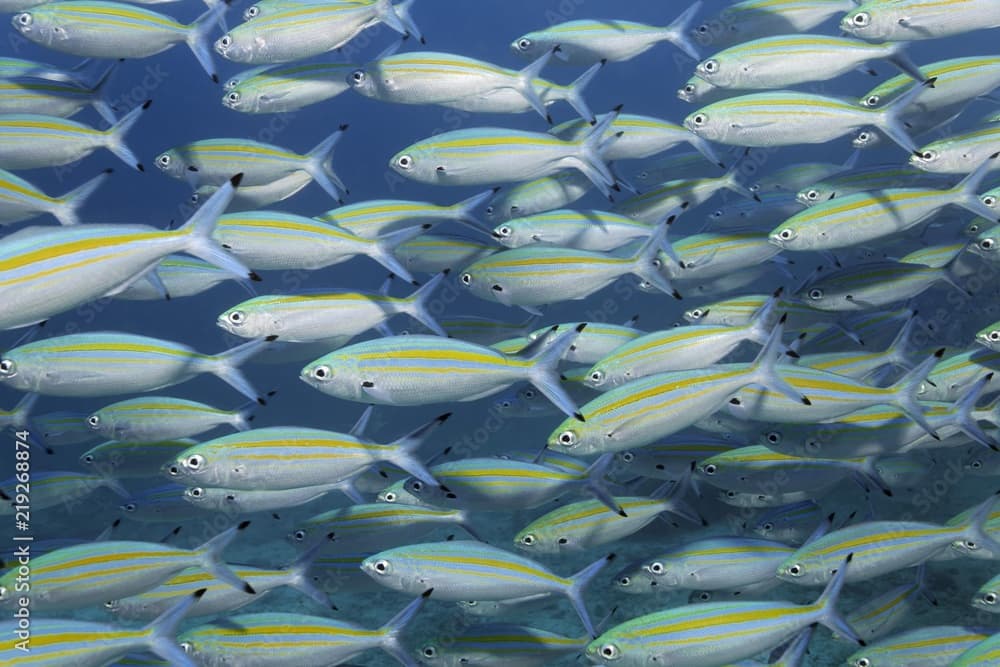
(247, 588)
(579, 416)
(145, 105)
(426, 594)
(198, 593)
(255, 277)
(139, 167)
(243, 525)
(236, 180)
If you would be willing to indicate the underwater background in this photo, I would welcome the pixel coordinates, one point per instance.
(186, 107)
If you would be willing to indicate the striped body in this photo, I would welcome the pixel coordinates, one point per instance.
(57, 642)
(718, 254)
(64, 428)
(919, 19)
(164, 504)
(285, 88)
(373, 218)
(931, 646)
(214, 161)
(960, 153)
(586, 41)
(866, 179)
(433, 253)
(500, 645)
(52, 488)
(20, 200)
(539, 195)
(740, 310)
(594, 342)
(130, 460)
(787, 60)
(751, 468)
(640, 137)
(486, 156)
(955, 374)
(33, 141)
(96, 29)
(295, 31)
(181, 275)
(415, 370)
(275, 458)
(884, 613)
(375, 525)
(244, 501)
(749, 19)
(161, 418)
(712, 564)
(870, 285)
(584, 230)
(672, 457)
(657, 202)
(31, 95)
(791, 524)
(957, 82)
(253, 197)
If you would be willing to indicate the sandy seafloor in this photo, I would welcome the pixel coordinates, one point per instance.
(186, 107)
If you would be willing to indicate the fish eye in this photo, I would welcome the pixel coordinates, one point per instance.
(504, 231)
(429, 652)
(24, 18)
(861, 19)
(994, 335)
(786, 234)
(795, 570)
(358, 76)
(699, 119)
(94, 421)
(528, 540)
(970, 545)
(381, 566)
(990, 598)
(196, 492)
(299, 535)
(111, 605)
(709, 469)
(225, 41)
(389, 497)
(563, 540)
(976, 464)
(863, 662)
(417, 486)
(195, 198)
(711, 66)
(730, 494)
(87, 458)
(627, 457)
(404, 162)
(928, 155)
(689, 89)
(872, 101)
(625, 581)
(163, 160)
(524, 44)
(529, 393)
(130, 507)
(989, 200)
(610, 652)
(812, 195)
(322, 373)
(768, 526)
(233, 97)
(194, 462)
(704, 596)
(985, 244)
(237, 317)
(173, 471)
(251, 12)
(656, 567)
(186, 647)
(773, 437)
(466, 278)
(864, 137)
(816, 294)
(567, 439)
(7, 367)
(597, 377)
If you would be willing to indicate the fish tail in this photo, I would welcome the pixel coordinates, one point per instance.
(199, 227)
(869, 472)
(467, 527)
(907, 389)
(244, 415)
(463, 211)
(762, 321)
(402, 451)
(398, 18)
(98, 91)
(646, 261)
(578, 584)
(965, 413)
(115, 136)
(543, 372)
(705, 148)
(319, 165)
(733, 182)
(198, 33)
(382, 250)
(162, 632)
(210, 558)
(673, 493)
(416, 304)
(574, 92)
(66, 207)
(889, 118)
(526, 84)
(597, 486)
(588, 158)
(392, 630)
(975, 528)
(901, 59)
(920, 583)
(226, 367)
(678, 33)
(828, 614)
(966, 192)
(299, 579)
(765, 365)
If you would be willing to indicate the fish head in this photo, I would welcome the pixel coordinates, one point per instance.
(427, 495)
(208, 498)
(242, 45)
(103, 423)
(420, 163)
(247, 321)
(797, 569)
(395, 571)
(336, 375)
(987, 600)
(582, 438)
(173, 163)
(813, 195)
(635, 580)
(41, 26)
(366, 81)
(244, 98)
(929, 159)
(866, 139)
(709, 123)
(22, 370)
(608, 649)
(721, 71)
(531, 45)
(989, 337)
(694, 90)
(197, 466)
(790, 236)
(985, 245)
(872, 22)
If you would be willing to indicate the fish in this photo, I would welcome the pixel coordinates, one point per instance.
(158, 418)
(460, 570)
(180, 276)
(20, 200)
(749, 19)
(767, 120)
(739, 630)
(110, 363)
(959, 154)
(214, 161)
(37, 95)
(286, 88)
(585, 41)
(87, 574)
(929, 646)
(54, 488)
(125, 460)
(918, 19)
(44, 272)
(365, 525)
(419, 370)
(373, 218)
(539, 195)
(101, 29)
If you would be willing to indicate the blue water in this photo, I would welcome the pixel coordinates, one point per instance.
(186, 107)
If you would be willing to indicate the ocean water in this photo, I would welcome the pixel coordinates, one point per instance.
(186, 107)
